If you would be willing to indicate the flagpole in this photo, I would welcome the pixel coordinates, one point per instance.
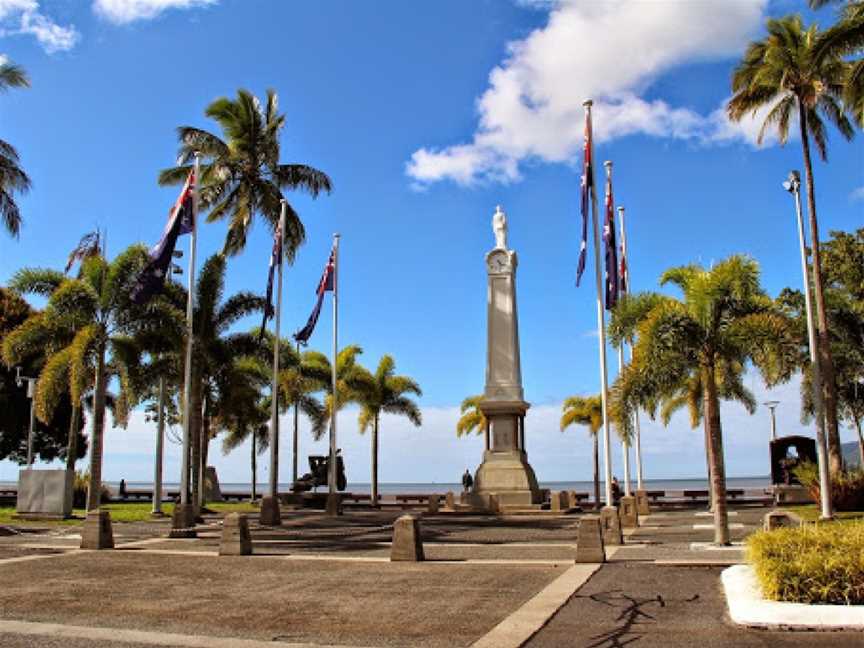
(274, 517)
(296, 421)
(601, 322)
(639, 485)
(185, 520)
(334, 407)
(622, 281)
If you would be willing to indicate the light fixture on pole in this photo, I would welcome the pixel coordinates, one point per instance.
(31, 393)
(772, 405)
(793, 186)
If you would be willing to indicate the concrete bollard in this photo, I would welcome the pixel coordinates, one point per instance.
(97, 533)
(574, 500)
(236, 539)
(589, 541)
(643, 506)
(270, 514)
(610, 524)
(627, 512)
(432, 507)
(780, 519)
(450, 500)
(407, 543)
(558, 501)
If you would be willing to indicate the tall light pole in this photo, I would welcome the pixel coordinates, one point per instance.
(793, 186)
(772, 405)
(31, 393)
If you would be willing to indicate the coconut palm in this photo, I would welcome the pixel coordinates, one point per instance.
(724, 318)
(12, 177)
(386, 392)
(241, 175)
(579, 410)
(783, 74)
(846, 39)
(472, 421)
(97, 308)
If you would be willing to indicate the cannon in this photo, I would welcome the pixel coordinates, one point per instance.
(319, 468)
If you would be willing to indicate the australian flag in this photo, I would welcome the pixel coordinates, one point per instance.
(587, 183)
(326, 284)
(275, 260)
(612, 284)
(181, 220)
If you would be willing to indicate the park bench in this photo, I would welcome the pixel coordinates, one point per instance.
(695, 494)
(655, 495)
(734, 493)
(580, 497)
(412, 500)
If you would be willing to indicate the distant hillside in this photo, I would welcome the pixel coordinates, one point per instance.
(850, 453)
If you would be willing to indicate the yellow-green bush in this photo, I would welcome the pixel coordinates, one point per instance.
(816, 563)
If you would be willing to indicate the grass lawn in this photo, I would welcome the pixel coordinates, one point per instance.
(810, 512)
(127, 512)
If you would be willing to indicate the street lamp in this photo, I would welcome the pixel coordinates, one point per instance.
(793, 186)
(31, 391)
(772, 405)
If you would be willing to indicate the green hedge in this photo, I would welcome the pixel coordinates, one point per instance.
(816, 563)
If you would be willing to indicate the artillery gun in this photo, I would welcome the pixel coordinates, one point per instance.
(319, 469)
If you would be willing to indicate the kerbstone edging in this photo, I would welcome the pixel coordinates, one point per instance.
(748, 607)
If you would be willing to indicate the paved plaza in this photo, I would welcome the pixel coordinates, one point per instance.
(319, 581)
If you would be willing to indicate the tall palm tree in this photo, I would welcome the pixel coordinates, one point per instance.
(578, 410)
(12, 177)
(97, 307)
(241, 175)
(783, 73)
(386, 392)
(846, 39)
(723, 318)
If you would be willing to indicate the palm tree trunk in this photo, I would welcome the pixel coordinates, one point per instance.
(94, 488)
(826, 362)
(205, 447)
(707, 428)
(596, 469)
(72, 441)
(375, 462)
(296, 442)
(718, 470)
(254, 469)
(195, 441)
(860, 444)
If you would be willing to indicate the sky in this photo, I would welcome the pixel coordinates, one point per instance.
(426, 116)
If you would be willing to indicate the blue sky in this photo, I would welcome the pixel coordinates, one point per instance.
(427, 115)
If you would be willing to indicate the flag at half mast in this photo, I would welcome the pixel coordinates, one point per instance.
(325, 285)
(587, 183)
(611, 248)
(275, 261)
(181, 220)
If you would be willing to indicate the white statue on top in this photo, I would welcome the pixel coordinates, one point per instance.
(499, 227)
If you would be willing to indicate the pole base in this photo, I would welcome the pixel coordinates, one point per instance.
(334, 504)
(183, 522)
(270, 513)
(610, 524)
(97, 533)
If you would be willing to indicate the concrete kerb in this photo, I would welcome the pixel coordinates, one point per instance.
(748, 607)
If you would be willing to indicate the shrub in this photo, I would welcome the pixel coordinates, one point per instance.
(847, 487)
(79, 491)
(816, 563)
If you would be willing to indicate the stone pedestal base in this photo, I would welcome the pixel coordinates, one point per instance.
(450, 500)
(794, 494)
(589, 541)
(610, 524)
(433, 505)
(236, 539)
(559, 501)
(407, 543)
(96, 532)
(627, 512)
(643, 506)
(509, 477)
(270, 513)
(334, 504)
(780, 519)
(183, 522)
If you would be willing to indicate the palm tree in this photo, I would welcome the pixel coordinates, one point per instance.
(472, 421)
(241, 175)
(95, 306)
(12, 177)
(386, 392)
(724, 318)
(846, 38)
(783, 73)
(578, 410)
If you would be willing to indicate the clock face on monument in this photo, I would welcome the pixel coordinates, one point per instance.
(498, 262)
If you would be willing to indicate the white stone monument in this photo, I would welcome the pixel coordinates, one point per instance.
(505, 472)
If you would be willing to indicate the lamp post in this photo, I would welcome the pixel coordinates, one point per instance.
(793, 186)
(31, 393)
(772, 405)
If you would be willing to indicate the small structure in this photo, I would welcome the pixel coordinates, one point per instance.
(779, 519)
(212, 492)
(627, 513)
(44, 493)
(407, 544)
(589, 541)
(450, 500)
(183, 521)
(787, 453)
(610, 525)
(432, 506)
(643, 506)
(236, 539)
(96, 533)
(559, 501)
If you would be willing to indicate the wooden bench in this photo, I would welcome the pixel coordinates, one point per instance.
(655, 495)
(734, 493)
(412, 500)
(695, 494)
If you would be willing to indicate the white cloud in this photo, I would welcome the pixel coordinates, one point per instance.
(122, 12)
(609, 51)
(25, 17)
(857, 194)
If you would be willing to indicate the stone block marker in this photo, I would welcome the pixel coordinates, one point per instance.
(558, 501)
(96, 532)
(643, 506)
(433, 504)
(450, 500)
(627, 512)
(779, 519)
(270, 513)
(610, 525)
(334, 504)
(589, 541)
(573, 499)
(407, 543)
(236, 539)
